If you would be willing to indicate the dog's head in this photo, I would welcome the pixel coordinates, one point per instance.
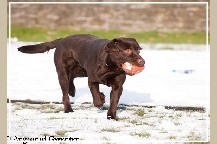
(123, 50)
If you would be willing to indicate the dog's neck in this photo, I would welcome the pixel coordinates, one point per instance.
(108, 62)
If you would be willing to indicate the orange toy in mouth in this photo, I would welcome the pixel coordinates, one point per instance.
(131, 69)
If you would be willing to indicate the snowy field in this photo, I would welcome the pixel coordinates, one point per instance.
(34, 77)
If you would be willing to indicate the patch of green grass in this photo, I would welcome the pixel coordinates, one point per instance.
(124, 118)
(163, 132)
(49, 108)
(141, 134)
(87, 106)
(140, 112)
(44, 108)
(105, 138)
(110, 129)
(177, 123)
(26, 106)
(61, 133)
(21, 106)
(150, 110)
(45, 134)
(193, 136)
(57, 110)
(172, 137)
(146, 123)
(42, 35)
(178, 114)
(135, 121)
(53, 118)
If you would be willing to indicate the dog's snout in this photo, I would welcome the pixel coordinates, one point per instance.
(141, 61)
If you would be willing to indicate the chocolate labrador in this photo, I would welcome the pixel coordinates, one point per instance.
(84, 55)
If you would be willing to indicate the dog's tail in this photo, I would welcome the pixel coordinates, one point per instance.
(39, 48)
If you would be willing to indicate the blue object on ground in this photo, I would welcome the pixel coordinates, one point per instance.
(184, 71)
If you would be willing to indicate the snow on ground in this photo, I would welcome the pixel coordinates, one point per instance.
(33, 76)
(90, 124)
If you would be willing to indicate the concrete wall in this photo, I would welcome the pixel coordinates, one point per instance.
(126, 17)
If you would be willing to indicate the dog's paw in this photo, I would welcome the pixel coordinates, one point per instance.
(68, 110)
(111, 114)
(98, 104)
(112, 118)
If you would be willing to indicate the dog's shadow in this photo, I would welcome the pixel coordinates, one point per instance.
(127, 98)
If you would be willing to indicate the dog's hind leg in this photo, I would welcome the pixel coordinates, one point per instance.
(64, 84)
(63, 68)
(71, 87)
(76, 71)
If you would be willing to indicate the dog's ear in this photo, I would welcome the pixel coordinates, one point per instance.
(111, 46)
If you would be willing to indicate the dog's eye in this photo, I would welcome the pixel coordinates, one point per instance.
(128, 51)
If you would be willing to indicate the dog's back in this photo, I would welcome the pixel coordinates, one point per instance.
(75, 40)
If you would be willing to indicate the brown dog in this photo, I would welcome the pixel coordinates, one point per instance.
(84, 55)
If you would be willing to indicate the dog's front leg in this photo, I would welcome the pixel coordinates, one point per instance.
(117, 88)
(98, 97)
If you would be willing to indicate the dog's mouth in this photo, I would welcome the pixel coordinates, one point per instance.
(131, 69)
